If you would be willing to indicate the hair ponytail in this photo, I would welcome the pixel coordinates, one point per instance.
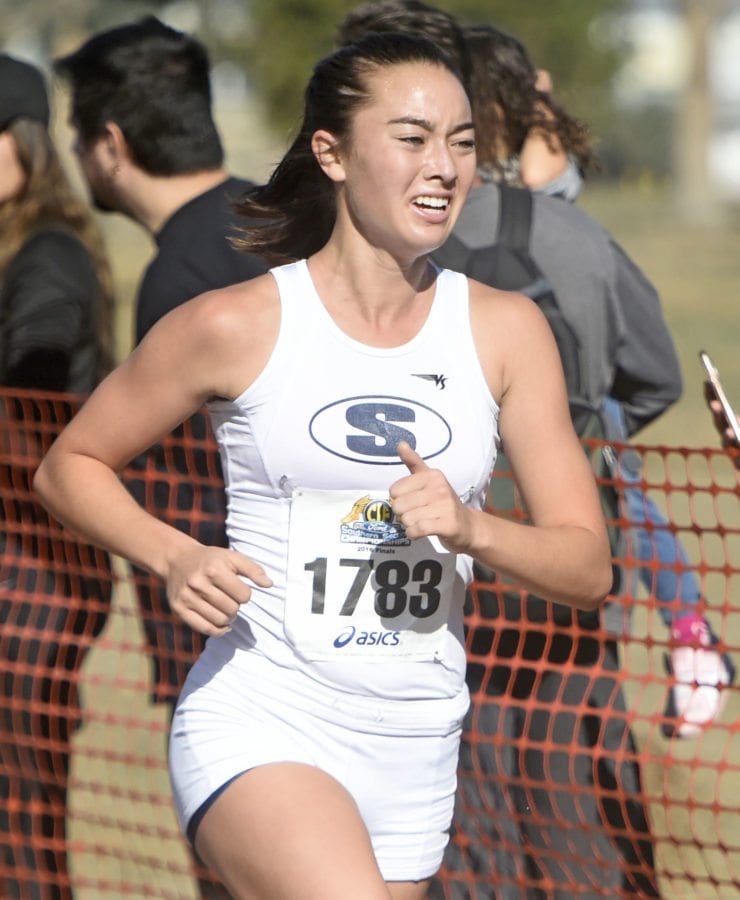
(294, 212)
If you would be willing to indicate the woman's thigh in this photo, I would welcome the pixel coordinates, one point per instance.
(287, 830)
(401, 785)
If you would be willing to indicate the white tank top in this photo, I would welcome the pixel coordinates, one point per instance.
(309, 450)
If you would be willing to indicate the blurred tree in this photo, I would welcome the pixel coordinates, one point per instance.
(278, 41)
(46, 28)
(561, 36)
(696, 200)
(288, 36)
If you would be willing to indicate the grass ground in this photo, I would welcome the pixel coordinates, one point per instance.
(121, 826)
(697, 272)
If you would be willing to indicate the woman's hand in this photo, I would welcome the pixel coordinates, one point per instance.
(205, 586)
(724, 428)
(426, 504)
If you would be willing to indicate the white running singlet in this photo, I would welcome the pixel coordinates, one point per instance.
(326, 414)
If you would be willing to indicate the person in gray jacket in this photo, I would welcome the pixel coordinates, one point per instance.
(551, 754)
(627, 350)
(505, 84)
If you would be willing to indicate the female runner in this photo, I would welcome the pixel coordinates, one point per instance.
(357, 394)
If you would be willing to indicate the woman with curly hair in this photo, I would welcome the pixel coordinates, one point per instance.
(531, 140)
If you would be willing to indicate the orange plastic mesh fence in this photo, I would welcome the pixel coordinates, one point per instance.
(574, 781)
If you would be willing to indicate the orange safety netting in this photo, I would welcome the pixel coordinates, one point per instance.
(572, 781)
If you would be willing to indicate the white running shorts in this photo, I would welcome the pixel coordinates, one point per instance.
(402, 779)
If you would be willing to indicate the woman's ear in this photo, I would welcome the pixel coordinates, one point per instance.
(325, 147)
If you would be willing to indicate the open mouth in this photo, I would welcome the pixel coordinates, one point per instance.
(433, 203)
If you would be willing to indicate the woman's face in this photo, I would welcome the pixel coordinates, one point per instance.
(12, 174)
(410, 159)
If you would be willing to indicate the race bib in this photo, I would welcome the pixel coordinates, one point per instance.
(358, 587)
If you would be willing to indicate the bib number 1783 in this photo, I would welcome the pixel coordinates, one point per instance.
(398, 587)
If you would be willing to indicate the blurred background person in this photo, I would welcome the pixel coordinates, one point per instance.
(536, 143)
(56, 311)
(149, 149)
(525, 138)
(57, 307)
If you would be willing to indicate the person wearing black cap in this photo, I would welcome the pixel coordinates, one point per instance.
(22, 93)
(50, 254)
(55, 335)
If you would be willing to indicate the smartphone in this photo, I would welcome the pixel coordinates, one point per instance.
(713, 376)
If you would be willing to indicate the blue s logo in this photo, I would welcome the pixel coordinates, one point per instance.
(381, 434)
(369, 429)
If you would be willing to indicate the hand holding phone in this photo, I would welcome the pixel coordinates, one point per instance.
(715, 385)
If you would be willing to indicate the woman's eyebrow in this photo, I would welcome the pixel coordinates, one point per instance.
(426, 124)
(412, 120)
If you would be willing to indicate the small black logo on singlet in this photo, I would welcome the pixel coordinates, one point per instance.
(439, 380)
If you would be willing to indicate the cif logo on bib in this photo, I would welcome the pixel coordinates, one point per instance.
(368, 429)
(372, 522)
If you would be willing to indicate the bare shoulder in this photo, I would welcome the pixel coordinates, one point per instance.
(240, 309)
(507, 327)
(505, 309)
(226, 334)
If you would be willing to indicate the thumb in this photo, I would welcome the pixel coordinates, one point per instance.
(414, 463)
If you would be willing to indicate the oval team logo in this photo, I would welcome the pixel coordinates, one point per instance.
(368, 429)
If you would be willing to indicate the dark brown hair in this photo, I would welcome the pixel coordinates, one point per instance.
(154, 82)
(409, 17)
(507, 104)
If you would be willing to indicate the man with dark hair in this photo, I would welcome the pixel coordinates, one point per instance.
(518, 820)
(149, 149)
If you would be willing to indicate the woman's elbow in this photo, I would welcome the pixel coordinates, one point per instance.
(592, 580)
(48, 481)
(42, 482)
(594, 599)
(598, 585)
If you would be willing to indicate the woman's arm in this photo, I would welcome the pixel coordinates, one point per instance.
(544, 163)
(190, 356)
(564, 554)
(727, 433)
(49, 297)
(542, 159)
